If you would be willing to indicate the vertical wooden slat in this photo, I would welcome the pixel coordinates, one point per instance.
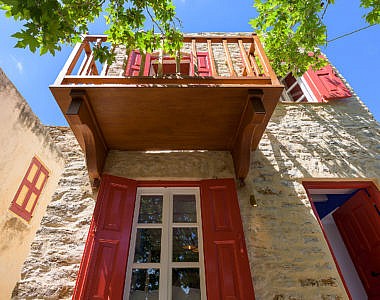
(253, 60)
(83, 64)
(212, 60)
(229, 60)
(178, 62)
(194, 58)
(246, 61)
(264, 61)
(160, 61)
(256, 68)
(142, 64)
(70, 63)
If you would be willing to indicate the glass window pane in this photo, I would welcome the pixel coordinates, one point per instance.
(184, 209)
(186, 284)
(144, 284)
(148, 245)
(185, 245)
(150, 209)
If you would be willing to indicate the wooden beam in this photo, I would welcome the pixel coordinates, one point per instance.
(212, 60)
(83, 122)
(246, 61)
(265, 61)
(228, 59)
(138, 81)
(194, 57)
(253, 115)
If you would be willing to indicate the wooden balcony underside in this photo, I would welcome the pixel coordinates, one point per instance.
(156, 118)
(175, 112)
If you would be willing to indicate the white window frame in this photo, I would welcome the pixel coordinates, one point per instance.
(166, 265)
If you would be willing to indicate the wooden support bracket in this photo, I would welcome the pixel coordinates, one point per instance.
(253, 115)
(83, 122)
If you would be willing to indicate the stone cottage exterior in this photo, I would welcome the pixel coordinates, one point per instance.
(301, 174)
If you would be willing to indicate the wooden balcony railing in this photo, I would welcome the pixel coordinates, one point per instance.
(233, 59)
(217, 94)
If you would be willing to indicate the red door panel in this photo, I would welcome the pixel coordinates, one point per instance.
(103, 266)
(358, 221)
(226, 261)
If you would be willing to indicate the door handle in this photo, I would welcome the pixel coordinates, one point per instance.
(375, 274)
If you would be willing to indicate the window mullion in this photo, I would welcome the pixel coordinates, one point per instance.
(164, 272)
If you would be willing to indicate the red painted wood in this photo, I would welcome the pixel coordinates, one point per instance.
(104, 262)
(326, 85)
(228, 274)
(359, 224)
(21, 209)
(203, 64)
(134, 64)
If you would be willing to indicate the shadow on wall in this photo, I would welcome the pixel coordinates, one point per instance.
(288, 253)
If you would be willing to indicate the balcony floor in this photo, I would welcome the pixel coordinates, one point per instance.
(178, 118)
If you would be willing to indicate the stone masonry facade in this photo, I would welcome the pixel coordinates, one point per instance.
(289, 257)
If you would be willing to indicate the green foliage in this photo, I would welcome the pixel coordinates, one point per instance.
(50, 23)
(293, 32)
(373, 16)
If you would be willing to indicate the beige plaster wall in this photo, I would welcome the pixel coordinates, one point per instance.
(22, 136)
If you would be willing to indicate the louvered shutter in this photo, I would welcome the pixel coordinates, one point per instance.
(203, 64)
(326, 85)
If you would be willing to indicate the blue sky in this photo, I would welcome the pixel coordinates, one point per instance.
(357, 56)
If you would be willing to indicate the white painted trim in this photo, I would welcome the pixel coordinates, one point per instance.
(166, 264)
(306, 89)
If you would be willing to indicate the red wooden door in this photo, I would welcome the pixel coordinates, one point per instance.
(226, 261)
(103, 266)
(358, 221)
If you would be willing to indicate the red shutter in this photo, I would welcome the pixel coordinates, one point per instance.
(30, 189)
(326, 85)
(134, 64)
(228, 274)
(104, 261)
(203, 64)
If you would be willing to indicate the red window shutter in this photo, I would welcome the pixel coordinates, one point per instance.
(102, 271)
(30, 189)
(134, 64)
(203, 64)
(228, 274)
(326, 85)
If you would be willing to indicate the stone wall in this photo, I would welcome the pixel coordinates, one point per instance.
(50, 270)
(22, 137)
(289, 256)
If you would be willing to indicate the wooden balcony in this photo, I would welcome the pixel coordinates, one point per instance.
(228, 109)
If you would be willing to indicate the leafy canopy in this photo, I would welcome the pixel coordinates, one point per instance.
(293, 30)
(50, 23)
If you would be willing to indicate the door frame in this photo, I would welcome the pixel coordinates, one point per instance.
(335, 183)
